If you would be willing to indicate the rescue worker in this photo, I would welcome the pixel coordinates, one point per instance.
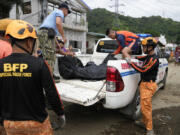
(52, 26)
(60, 49)
(5, 46)
(148, 85)
(5, 50)
(127, 41)
(24, 80)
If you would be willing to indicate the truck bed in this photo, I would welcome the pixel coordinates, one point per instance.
(81, 91)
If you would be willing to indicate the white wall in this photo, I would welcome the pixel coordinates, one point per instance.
(75, 35)
(33, 18)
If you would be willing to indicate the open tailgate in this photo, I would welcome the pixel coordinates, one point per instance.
(85, 93)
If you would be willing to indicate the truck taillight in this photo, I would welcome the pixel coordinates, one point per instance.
(114, 80)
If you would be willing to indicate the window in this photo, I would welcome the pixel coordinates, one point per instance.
(109, 46)
(26, 7)
(138, 50)
(52, 7)
(87, 44)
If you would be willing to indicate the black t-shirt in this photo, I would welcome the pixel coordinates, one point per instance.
(24, 80)
(149, 68)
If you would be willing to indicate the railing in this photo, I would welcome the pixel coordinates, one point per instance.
(76, 26)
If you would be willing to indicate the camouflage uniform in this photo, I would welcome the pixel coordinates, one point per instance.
(47, 46)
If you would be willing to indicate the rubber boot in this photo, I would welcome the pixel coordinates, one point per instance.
(140, 124)
(150, 132)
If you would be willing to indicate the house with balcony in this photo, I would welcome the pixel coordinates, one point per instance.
(75, 24)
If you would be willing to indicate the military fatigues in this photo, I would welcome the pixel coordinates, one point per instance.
(47, 46)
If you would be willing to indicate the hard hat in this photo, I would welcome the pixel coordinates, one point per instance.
(60, 41)
(19, 29)
(149, 41)
(4, 23)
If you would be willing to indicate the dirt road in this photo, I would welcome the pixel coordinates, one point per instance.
(93, 121)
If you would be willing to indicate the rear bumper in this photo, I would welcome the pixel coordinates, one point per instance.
(116, 100)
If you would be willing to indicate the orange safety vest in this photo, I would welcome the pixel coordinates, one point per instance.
(129, 36)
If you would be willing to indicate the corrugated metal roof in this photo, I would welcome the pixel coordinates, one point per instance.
(84, 4)
(96, 34)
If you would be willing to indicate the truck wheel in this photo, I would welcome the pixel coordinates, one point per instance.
(164, 81)
(136, 106)
(133, 110)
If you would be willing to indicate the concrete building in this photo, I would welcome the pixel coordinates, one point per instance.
(92, 39)
(75, 24)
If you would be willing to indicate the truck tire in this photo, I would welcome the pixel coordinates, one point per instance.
(136, 106)
(133, 110)
(164, 81)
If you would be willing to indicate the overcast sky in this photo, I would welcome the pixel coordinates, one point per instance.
(139, 8)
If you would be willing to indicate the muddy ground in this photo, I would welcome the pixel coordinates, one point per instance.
(95, 120)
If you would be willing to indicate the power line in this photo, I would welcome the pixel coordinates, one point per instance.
(116, 6)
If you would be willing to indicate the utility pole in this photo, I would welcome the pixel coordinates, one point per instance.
(116, 6)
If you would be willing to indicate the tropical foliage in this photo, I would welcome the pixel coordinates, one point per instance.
(101, 19)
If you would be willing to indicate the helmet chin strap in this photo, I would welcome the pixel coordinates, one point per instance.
(15, 43)
(148, 51)
(34, 42)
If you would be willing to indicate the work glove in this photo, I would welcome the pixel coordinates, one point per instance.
(128, 60)
(60, 123)
(112, 54)
(62, 120)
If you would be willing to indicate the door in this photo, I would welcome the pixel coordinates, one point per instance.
(161, 72)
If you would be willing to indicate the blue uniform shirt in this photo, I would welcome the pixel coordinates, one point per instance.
(121, 39)
(50, 20)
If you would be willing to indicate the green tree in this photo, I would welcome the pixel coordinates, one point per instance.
(178, 39)
(101, 19)
(153, 33)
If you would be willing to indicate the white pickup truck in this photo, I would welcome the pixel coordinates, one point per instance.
(119, 90)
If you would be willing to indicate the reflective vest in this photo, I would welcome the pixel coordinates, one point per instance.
(129, 36)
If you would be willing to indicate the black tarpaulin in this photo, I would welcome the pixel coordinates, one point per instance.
(72, 68)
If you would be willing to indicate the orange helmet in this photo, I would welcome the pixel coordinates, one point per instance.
(4, 23)
(19, 29)
(149, 41)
